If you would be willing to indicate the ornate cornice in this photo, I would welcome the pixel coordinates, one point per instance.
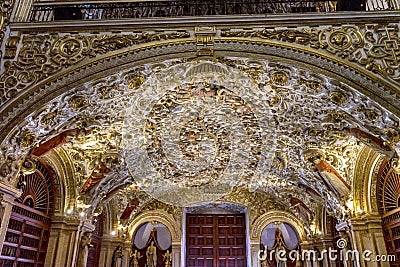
(244, 21)
(363, 55)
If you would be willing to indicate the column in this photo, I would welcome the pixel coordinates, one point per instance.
(309, 246)
(176, 254)
(254, 250)
(109, 244)
(367, 235)
(64, 241)
(106, 250)
(7, 196)
(327, 245)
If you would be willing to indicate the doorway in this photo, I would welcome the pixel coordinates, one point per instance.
(216, 240)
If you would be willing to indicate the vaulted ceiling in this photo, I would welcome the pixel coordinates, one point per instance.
(185, 131)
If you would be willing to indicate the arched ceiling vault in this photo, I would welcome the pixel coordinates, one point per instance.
(313, 122)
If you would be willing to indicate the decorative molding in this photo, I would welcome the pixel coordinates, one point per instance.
(76, 74)
(105, 43)
(375, 47)
(42, 56)
(205, 40)
(159, 216)
(6, 8)
(275, 216)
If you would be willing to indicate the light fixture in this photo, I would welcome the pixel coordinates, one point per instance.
(113, 232)
(313, 227)
(69, 211)
(82, 214)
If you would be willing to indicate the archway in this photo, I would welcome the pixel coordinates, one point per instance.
(151, 245)
(388, 198)
(278, 241)
(216, 235)
(268, 70)
(29, 226)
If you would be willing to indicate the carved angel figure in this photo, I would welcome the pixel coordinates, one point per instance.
(135, 257)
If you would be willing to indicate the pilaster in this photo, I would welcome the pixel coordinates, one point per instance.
(64, 241)
(176, 254)
(368, 236)
(254, 251)
(108, 245)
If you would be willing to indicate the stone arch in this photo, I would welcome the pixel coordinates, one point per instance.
(355, 76)
(273, 216)
(111, 62)
(364, 182)
(109, 223)
(159, 216)
(64, 169)
(363, 81)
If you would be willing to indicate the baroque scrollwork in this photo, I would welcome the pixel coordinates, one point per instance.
(301, 104)
(258, 202)
(375, 47)
(5, 12)
(44, 55)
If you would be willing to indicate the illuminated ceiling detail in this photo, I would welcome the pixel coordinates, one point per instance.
(211, 111)
(192, 138)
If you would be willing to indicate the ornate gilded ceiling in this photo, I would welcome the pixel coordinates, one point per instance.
(267, 118)
(200, 130)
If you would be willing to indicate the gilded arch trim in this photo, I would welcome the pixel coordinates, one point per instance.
(362, 80)
(159, 216)
(364, 182)
(273, 216)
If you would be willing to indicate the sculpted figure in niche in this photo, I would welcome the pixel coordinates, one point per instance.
(151, 255)
(280, 250)
(167, 259)
(135, 259)
(117, 257)
(83, 252)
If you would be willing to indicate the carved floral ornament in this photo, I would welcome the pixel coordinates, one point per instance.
(370, 49)
(192, 118)
(375, 47)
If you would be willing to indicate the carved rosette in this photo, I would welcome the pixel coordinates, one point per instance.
(42, 56)
(69, 50)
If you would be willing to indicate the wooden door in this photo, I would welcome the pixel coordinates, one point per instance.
(216, 240)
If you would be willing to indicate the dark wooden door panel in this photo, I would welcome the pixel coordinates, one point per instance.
(216, 240)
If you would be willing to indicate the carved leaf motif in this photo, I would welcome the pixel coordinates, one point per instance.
(304, 37)
(106, 43)
(44, 55)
